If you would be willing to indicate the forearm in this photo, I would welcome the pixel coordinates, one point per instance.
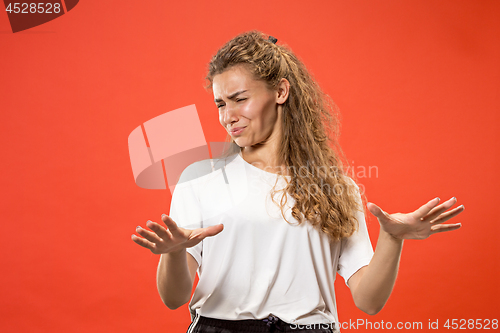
(173, 279)
(376, 284)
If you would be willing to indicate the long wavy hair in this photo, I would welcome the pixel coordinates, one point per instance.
(324, 194)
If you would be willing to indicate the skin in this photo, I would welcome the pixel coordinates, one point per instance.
(372, 285)
(245, 102)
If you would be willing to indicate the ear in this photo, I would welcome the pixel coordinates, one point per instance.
(283, 90)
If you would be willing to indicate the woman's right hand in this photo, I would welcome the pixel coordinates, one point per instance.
(173, 238)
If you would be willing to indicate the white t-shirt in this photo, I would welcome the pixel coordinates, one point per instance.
(260, 264)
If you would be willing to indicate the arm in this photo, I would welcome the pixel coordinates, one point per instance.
(177, 268)
(175, 278)
(372, 285)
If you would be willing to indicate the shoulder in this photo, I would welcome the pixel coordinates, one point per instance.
(351, 183)
(200, 170)
(195, 171)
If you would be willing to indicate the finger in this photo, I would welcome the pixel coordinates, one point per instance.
(150, 236)
(158, 230)
(171, 225)
(376, 210)
(213, 230)
(425, 209)
(142, 242)
(445, 227)
(448, 215)
(202, 233)
(436, 211)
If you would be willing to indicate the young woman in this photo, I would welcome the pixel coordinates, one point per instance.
(269, 265)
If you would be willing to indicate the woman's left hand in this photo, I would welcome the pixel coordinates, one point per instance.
(420, 224)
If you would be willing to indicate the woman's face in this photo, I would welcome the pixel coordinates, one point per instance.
(248, 105)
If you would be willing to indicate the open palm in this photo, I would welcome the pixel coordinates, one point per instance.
(170, 237)
(421, 223)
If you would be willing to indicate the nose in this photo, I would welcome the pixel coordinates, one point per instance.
(230, 114)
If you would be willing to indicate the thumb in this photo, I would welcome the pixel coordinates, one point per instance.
(208, 231)
(213, 230)
(376, 210)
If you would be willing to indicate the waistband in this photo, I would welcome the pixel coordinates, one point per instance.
(269, 324)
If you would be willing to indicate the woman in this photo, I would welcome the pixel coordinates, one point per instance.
(265, 265)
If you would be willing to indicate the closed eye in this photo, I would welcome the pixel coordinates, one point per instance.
(238, 100)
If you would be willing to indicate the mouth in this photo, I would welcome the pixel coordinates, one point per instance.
(237, 131)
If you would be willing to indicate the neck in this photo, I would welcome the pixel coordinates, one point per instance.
(264, 155)
(263, 158)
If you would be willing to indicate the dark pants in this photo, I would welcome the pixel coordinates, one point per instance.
(272, 324)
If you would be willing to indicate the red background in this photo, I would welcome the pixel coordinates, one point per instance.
(417, 83)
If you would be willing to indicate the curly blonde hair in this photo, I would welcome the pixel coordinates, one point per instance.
(309, 146)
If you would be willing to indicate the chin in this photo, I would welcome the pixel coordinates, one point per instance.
(241, 143)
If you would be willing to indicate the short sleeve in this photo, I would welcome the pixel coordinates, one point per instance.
(356, 250)
(185, 209)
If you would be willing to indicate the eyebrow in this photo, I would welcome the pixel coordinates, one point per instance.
(217, 100)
